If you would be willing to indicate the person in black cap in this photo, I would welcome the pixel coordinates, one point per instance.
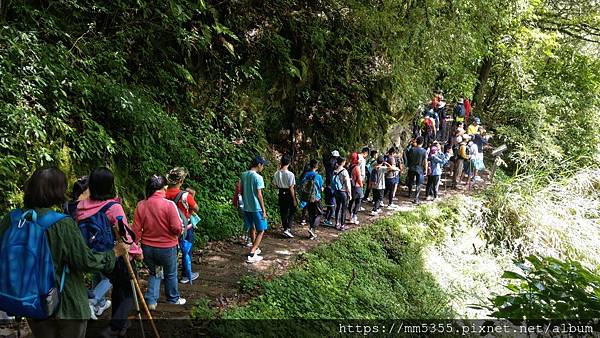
(255, 214)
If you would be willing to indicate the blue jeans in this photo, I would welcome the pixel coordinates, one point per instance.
(101, 287)
(167, 258)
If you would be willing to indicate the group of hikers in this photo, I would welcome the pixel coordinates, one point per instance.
(348, 181)
(66, 245)
(81, 240)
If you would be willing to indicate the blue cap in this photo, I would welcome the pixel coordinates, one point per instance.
(259, 160)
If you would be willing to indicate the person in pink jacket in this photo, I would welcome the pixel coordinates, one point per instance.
(158, 226)
(101, 185)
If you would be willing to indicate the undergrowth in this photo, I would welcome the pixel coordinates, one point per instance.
(375, 272)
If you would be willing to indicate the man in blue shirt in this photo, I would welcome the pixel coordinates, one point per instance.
(314, 208)
(255, 214)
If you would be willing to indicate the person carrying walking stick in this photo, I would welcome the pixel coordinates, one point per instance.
(135, 286)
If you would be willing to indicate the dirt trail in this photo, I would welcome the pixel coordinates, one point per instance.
(222, 264)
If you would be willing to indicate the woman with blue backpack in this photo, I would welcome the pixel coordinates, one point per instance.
(54, 238)
(103, 209)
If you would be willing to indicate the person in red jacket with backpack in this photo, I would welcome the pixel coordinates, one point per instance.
(186, 203)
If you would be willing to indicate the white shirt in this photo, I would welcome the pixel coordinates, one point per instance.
(362, 164)
(284, 179)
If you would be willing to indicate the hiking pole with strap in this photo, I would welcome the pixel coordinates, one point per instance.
(135, 286)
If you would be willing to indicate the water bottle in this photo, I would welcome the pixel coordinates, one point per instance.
(159, 272)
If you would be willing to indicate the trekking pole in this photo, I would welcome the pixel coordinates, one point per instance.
(137, 291)
(137, 306)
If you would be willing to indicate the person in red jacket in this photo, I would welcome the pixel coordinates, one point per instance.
(467, 109)
(157, 225)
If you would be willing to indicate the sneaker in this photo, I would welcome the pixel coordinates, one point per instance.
(303, 222)
(338, 226)
(362, 209)
(254, 259)
(312, 233)
(328, 223)
(258, 251)
(99, 310)
(343, 228)
(195, 276)
(92, 311)
(391, 206)
(152, 307)
(249, 243)
(180, 301)
(374, 213)
(288, 233)
(355, 220)
(430, 198)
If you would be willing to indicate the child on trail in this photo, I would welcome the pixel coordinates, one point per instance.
(417, 166)
(285, 181)
(313, 182)
(157, 226)
(255, 214)
(341, 186)
(70, 255)
(102, 199)
(356, 188)
(187, 205)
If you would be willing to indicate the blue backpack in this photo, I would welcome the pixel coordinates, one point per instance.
(337, 183)
(97, 230)
(27, 287)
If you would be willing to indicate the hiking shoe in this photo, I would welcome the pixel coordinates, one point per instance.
(288, 233)
(99, 310)
(92, 311)
(180, 301)
(254, 259)
(152, 307)
(195, 276)
(312, 233)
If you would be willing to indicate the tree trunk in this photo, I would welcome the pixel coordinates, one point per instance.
(484, 74)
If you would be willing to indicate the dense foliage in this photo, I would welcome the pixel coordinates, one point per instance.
(549, 289)
(143, 86)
